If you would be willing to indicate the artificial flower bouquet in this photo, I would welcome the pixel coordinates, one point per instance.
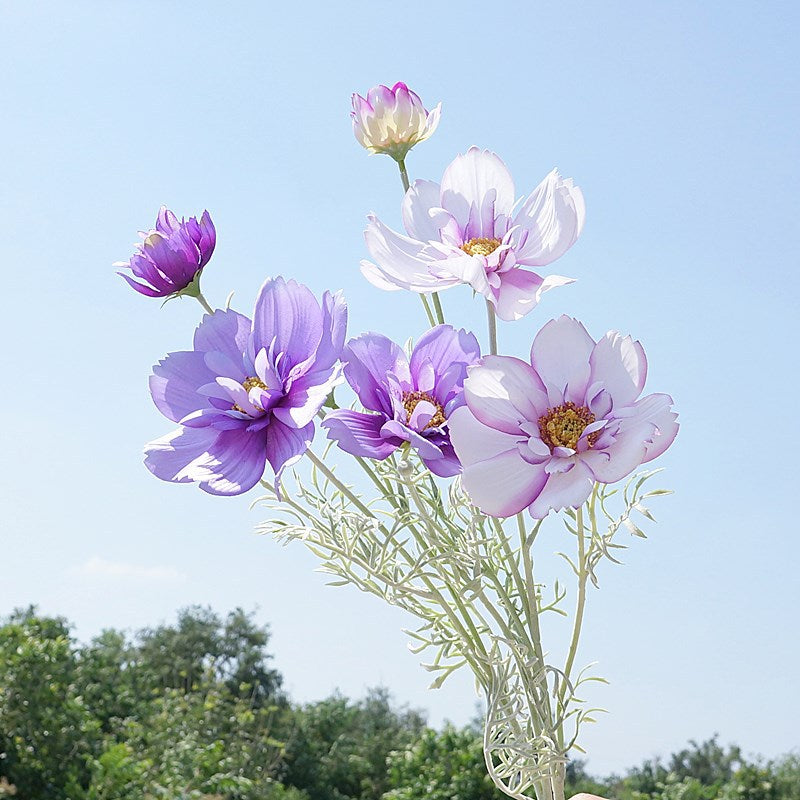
(465, 452)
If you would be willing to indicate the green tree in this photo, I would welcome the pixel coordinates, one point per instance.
(337, 749)
(445, 765)
(47, 736)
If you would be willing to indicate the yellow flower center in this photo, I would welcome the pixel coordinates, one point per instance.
(562, 426)
(481, 246)
(412, 399)
(248, 384)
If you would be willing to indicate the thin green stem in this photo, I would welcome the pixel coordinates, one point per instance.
(338, 484)
(427, 308)
(492, 328)
(579, 608)
(203, 302)
(437, 304)
(401, 164)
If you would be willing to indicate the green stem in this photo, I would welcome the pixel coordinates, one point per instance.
(427, 308)
(492, 328)
(338, 484)
(437, 304)
(203, 302)
(579, 609)
(403, 174)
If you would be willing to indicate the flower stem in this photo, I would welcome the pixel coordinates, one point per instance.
(579, 609)
(492, 328)
(338, 484)
(401, 164)
(437, 304)
(203, 302)
(427, 308)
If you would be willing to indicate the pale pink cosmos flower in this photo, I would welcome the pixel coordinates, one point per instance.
(539, 435)
(392, 121)
(470, 229)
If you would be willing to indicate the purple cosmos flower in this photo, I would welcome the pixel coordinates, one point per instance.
(412, 399)
(171, 255)
(248, 392)
(392, 120)
(470, 230)
(539, 435)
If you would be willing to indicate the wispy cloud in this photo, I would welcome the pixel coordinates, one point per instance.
(97, 567)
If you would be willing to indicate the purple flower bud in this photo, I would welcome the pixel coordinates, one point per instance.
(171, 255)
(392, 121)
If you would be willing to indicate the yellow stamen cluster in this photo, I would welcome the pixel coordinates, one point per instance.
(481, 246)
(563, 425)
(412, 399)
(253, 382)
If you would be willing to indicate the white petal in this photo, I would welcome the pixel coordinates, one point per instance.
(560, 354)
(619, 363)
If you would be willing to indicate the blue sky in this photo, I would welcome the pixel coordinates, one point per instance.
(678, 120)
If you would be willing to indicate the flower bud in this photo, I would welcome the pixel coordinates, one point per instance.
(171, 256)
(392, 121)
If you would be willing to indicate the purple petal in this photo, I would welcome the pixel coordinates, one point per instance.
(370, 358)
(474, 442)
(442, 347)
(334, 330)
(360, 434)
(175, 457)
(175, 382)
(286, 446)
(236, 462)
(288, 315)
(225, 332)
(448, 465)
(306, 396)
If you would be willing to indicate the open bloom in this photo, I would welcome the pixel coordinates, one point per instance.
(392, 120)
(468, 229)
(248, 392)
(171, 255)
(411, 400)
(539, 435)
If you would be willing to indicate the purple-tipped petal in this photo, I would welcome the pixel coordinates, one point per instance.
(619, 363)
(563, 490)
(503, 392)
(369, 359)
(360, 434)
(442, 346)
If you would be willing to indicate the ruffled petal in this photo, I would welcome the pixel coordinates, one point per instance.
(469, 179)
(400, 261)
(423, 217)
(549, 221)
(360, 434)
(473, 441)
(370, 358)
(288, 321)
(235, 463)
(178, 456)
(441, 347)
(560, 355)
(619, 363)
(306, 396)
(505, 392)
(563, 490)
(225, 332)
(175, 381)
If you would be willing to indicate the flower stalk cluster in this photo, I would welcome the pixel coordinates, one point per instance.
(468, 453)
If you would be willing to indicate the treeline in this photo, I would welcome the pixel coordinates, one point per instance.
(195, 711)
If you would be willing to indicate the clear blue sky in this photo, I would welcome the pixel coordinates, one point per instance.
(679, 120)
